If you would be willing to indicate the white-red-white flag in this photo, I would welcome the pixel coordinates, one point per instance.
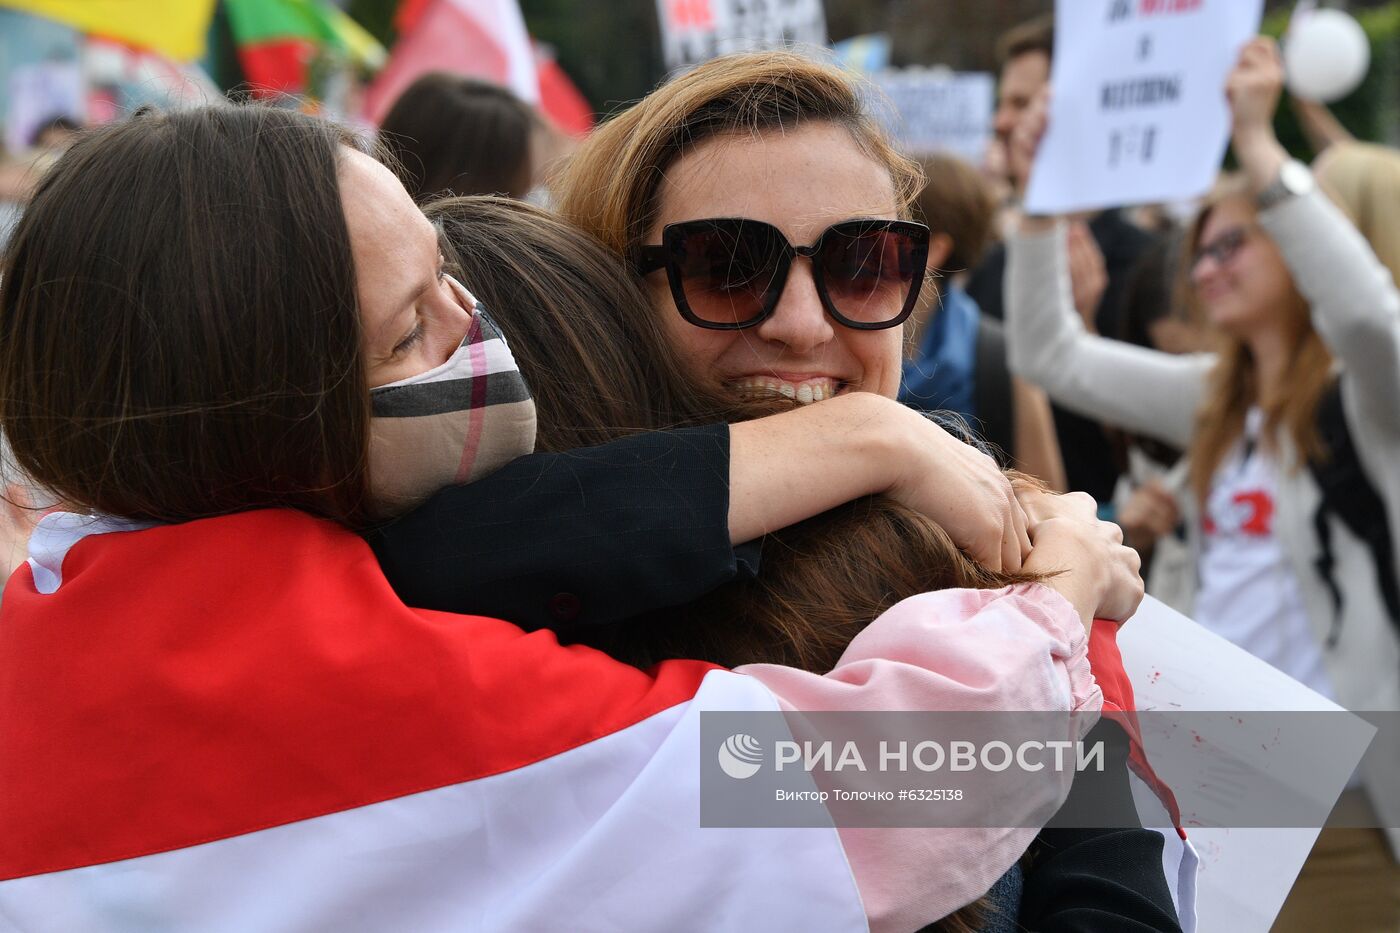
(480, 38)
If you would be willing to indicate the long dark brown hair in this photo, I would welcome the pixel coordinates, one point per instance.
(179, 333)
(587, 340)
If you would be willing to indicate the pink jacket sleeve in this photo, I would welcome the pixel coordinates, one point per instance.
(1020, 648)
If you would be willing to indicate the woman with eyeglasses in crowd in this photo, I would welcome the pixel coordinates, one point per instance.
(1293, 433)
(214, 711)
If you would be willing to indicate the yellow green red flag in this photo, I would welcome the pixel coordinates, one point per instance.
(174, 28)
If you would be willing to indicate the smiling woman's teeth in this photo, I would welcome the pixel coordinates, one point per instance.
(812, 390)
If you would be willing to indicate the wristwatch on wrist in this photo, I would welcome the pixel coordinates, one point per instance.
(1293, 180)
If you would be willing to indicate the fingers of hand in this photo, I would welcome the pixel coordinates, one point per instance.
(1022, 526)
(1015, 541)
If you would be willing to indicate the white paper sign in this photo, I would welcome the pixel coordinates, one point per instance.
(940, 111)
(39, 93)
(1176, 665)
(693, 31)
(1138, 111)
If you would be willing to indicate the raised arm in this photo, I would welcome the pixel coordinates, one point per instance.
(1143, 390)
(1353, 299)
(1354, 302)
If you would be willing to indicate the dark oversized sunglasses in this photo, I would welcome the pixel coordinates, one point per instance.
(728, 273)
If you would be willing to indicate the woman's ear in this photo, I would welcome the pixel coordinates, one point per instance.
(940, 247)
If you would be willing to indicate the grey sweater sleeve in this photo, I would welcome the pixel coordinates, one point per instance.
(1142, 390)
(1354, 302)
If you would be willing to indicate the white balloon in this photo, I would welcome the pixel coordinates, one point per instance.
(1326, 55)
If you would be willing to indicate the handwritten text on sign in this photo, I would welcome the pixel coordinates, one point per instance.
(1138, 111)
(693, 31)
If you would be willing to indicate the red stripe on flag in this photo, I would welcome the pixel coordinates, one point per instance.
(1120, 705)
(199, 681)
(273, 68)
(443, 38)
(408, 14)
(561, 100)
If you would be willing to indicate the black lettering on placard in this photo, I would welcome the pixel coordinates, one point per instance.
(1144, 49)
(1132, 144)
(1140, 92)
(1120, 10)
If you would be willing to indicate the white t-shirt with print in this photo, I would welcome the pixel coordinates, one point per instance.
(1248, 592)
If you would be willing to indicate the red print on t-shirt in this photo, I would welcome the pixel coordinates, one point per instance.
(1261, 518)
(1250, 513)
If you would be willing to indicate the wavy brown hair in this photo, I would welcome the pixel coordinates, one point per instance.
(610, 185)
(587, 340)
(1233, 385)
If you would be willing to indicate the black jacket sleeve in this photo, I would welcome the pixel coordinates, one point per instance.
(588, 537)
(1093, 880)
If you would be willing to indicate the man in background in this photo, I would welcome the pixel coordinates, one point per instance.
(1104, 248)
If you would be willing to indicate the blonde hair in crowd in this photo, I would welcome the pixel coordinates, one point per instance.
(1233, 386)
(609, 187)
(1364, 181)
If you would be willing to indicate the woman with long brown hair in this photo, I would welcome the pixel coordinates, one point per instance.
(227, 342)
(1292, 429)
(601, 367)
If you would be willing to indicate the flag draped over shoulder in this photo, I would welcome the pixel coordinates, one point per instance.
(174, 28)
(255, 733)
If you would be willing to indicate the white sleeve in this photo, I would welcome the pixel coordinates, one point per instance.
(1145, 391)
(1354, 302)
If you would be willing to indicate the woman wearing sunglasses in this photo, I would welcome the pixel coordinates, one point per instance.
(777, 247)
(601, 367)
(767, 217)
(1293, 433)
(214, 711)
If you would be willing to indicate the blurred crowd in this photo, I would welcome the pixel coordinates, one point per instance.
(572, 384)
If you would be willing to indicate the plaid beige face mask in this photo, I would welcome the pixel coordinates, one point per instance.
(450, 425)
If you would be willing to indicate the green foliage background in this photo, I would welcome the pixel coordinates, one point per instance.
(1372, 111)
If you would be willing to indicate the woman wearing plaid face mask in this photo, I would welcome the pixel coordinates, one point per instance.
(214, 712)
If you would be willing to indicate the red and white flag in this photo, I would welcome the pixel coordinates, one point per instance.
(479, 38)
(234, 724)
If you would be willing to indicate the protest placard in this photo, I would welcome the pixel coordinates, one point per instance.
(1177, 666)
(1138, 112)
(936, 110)
(39, 93)
(693, 31)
